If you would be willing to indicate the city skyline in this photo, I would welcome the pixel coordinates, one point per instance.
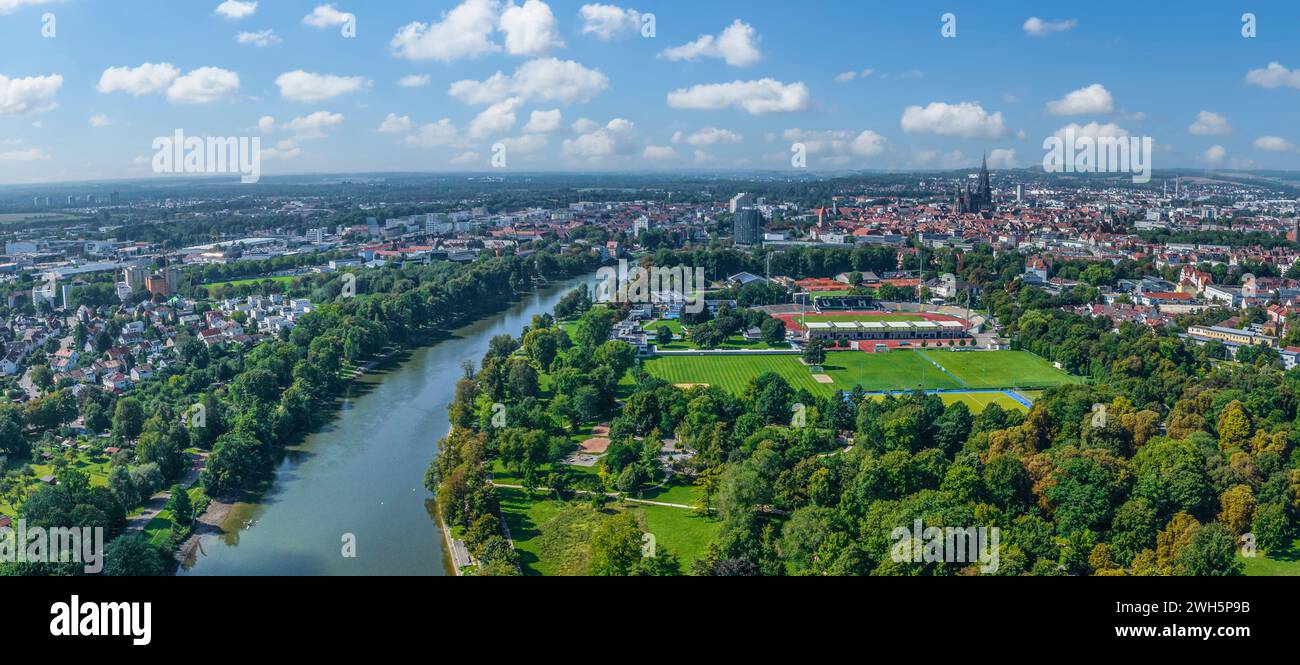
(583, 87)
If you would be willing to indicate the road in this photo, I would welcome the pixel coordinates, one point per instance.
(158, 502)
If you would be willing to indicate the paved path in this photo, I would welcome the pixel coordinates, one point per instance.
(158, 502)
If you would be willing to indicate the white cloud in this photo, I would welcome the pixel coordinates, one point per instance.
(29, 94)
(204, 86)
(737, 45)
(709, 136)
(1214, 155)
(544, 79)
(607, 22)
(530, 28)
(584, 126)
(837, 143)
(327, 16)
(313, 126)
(615, 138)
(659, 153)
(1003, 158)
(965, 120)
(496, 119)
(845, 77)
(1092, 99)
(260, 39)
(526, 144)
(414, 81)
(300, 86)
(266, 124)
(1210, 124)
(1009, 98)
(463, 32)
(235, 9)
(1274, 76)
(100, 120)
(755, 97)
(438, 134)
(464, 158)
(543, 122)
(286, 149)
(396, 125)
(141, 80)
(1037, 27)
(11, 6)
(1274, 144)
(22, 156)
(1092, 130)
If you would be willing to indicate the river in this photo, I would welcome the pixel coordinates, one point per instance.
(363, 473)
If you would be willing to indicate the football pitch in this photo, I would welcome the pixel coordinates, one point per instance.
(873, 372)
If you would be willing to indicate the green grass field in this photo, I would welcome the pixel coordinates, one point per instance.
(258, 280)
(899, 370)
(1000, 369)
(680, 531)
(1275, 565)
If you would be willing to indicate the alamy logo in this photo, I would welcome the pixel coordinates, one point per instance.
(91, 619)
(84, 545)
(214, 155)
(1098, 154)
(951, 545)
(670, 286)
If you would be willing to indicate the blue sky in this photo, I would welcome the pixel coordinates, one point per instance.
(720, 85)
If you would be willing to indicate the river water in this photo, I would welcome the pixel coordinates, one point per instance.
(363, 474)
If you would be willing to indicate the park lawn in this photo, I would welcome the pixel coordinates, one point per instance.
(896, 370)
(679, 491)
(159, 529)
(1001, 369)
(679, 531)
(1274, 565)
(255, 280)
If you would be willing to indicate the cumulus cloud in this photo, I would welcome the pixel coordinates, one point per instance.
(607, 22)
(708, 136)
(837, 143)
(495, 119)
(142, 80)
(313, 126)
(11, 6)
(542, 80)
(584, 126)
(1037, 27)
(1092, 130)
(282, 150)
(300, 86)
(1214, 155)
(526, 144)
(1210, 124)
(1274, 76)
(1003, 158)
(530, 28)
(1274, 144)
(100, 120)
(618, 137)
(437, 134)
(204, 86)
(29, 94)
(235, 9)
(394, 124)
(659, 153)
(326, 16)
(737, 45)
(266, 124)
(543, 122)
(464, 32)
(261, 38)
(755, 97)
(414, 81)
(1092, 99)
(964, 119)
